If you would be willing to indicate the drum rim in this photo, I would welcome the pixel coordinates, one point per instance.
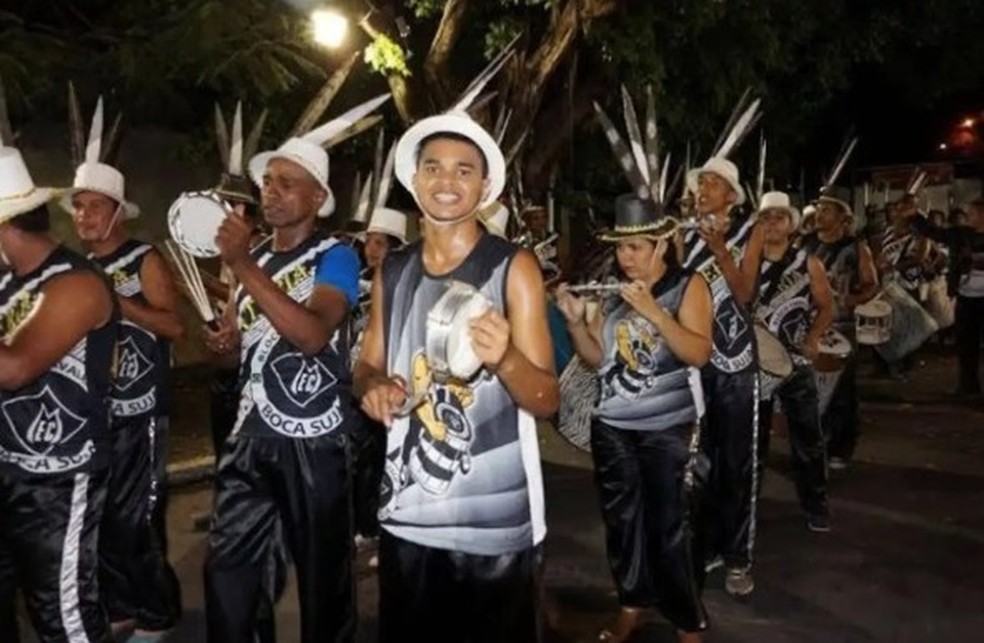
(177, 232)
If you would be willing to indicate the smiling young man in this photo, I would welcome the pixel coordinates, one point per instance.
(461, 504)
(284, 466)
(715, 250)
(138, 585)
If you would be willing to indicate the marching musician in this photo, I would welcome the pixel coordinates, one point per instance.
(461, 506)
(966, 279)
(794, 303)
(285, 466)
(850, 269)
(644, 345)
(715, 250)
(137, 583)
(55, 442)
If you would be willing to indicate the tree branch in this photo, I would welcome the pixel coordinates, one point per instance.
(403, 96)
(448, 31)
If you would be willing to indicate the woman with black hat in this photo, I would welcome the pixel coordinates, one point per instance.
(646, 346)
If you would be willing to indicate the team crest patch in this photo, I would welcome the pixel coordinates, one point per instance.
(51, 422)
(302, 379)
(133, 365)
(731, 325)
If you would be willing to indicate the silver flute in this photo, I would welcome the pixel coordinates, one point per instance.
(595, 289)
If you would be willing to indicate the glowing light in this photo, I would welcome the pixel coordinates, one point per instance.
(942, 147)
(330, 27)
(969, 122)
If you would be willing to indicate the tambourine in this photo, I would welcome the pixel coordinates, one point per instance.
(194, 220)
(873, 322)
(448, 344)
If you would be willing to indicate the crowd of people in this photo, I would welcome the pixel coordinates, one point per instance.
(349, 405)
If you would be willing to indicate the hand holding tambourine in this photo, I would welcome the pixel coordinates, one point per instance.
(383, 398)
(490, 334)
(233, 240)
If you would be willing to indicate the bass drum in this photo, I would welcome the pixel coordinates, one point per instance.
(911, 324)
(579, 393)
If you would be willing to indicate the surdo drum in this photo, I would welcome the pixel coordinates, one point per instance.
(775, 364)
(873, 322)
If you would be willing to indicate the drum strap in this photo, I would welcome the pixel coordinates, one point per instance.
(773, 274)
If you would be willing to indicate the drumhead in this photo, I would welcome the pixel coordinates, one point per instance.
(193, 221)
(773, 357)
(835, 344)
(874, 308)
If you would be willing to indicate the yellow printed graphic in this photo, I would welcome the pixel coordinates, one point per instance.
(421, 381)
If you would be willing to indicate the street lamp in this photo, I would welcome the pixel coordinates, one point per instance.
(330, 27)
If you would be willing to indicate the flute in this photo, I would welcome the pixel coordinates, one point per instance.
(596, 289)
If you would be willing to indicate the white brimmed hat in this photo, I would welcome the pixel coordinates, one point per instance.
(388, 221)
(456, 120)
(496, 219)
(460, 123)
(308, 151)
(722, 167)
(103, 179)
(307, 154)
(780, 201)
(94, 174)
(18, 194)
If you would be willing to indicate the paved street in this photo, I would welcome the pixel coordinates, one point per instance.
(902, 563)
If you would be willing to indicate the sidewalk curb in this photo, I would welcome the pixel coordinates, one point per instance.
(190, 471)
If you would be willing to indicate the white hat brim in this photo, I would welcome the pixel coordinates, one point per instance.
(258, 165)
(405, 166)
(693, 177)
(130, 210)
(794, 214)
(14, 207)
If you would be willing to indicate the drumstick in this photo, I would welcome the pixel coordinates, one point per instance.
(189, 272)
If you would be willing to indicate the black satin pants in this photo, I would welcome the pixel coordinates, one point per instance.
(223, 406)
(729, 441)
(367, 441)
(266, 486)
(49, 532)
(443, 596)
(841, 422)
(136, 580)
(799, 400)
(649, 520)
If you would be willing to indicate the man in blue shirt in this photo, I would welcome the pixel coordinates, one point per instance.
(283, 469)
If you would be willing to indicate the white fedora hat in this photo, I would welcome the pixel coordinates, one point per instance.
(388, 221)
(455, 122)
(18, 194)
(723, 168)
(308, 150)
(309, 155)
(103, 179)
(780, 201)
(496, 219)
